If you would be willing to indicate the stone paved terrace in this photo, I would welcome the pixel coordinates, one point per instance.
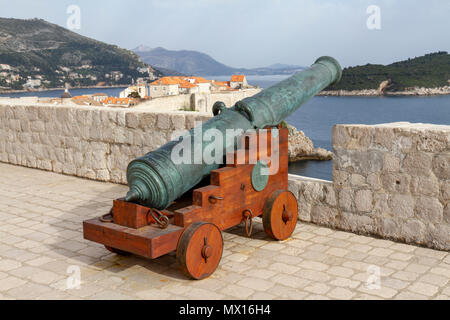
(41, 216)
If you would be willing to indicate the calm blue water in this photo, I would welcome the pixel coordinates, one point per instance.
(317, 117)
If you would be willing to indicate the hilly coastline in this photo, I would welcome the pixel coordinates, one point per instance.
(35, 54)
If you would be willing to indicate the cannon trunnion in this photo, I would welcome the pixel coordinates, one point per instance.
(169, 208)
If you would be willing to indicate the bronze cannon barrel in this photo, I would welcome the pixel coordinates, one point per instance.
(156, 181)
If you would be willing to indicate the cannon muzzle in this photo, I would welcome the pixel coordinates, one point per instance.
(156, 181)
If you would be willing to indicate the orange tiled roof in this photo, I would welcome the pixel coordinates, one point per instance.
(237, 78)
(114, 100)
(199, 79)
(182, 81)
(165, 81)
(187, 84)
(222, 83)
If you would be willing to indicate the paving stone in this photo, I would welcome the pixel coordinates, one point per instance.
(7, 265)
(256, 284)
(434, 279)
(290, 281)
(237, 291)
(382, 292)
(317, 288)
(10, 282)
(340, 293)
(424, 288)
(283, 268)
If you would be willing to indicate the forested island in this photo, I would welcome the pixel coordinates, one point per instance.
(428, 74)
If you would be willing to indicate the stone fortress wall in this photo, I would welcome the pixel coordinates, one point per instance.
(390, 180)
(202, 102)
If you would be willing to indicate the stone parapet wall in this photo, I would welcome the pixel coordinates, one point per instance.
(390, 180)
(90, 142)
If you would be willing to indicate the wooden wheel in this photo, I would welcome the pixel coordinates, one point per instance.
(117, 251)
(280, 215)
(200, 249)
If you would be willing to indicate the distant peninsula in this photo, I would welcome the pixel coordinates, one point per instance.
(189, 62)
(425, 75)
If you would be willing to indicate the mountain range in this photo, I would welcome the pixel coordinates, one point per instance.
(190, 62)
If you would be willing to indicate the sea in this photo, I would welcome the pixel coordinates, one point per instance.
(317, 117)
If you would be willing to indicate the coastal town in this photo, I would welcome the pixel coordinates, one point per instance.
(160, 88)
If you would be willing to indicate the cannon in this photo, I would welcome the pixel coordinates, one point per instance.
(171, 206)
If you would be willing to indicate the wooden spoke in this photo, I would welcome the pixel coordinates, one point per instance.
(280, 215)
(200, 249)
(117, 251)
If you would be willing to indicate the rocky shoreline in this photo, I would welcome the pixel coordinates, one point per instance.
(302, 148)
(374, 92)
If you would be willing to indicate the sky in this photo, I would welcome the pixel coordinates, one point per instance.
(256, 33)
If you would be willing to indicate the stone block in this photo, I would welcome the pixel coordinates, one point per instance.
(383, 137)
(133, 119)
(402, 206)
(121, 118)
(413, 231)
(148, 121)
(178, 121)
(361, 137)
(324, 215)
(163, 122)
(432, 141)
(447, 213)
(37, 126)
(357, 223)
(358, 180)
(340, 178)
(381, 203)
(190, 121)
(445, 190)
(294, 187)
(417, 163)
(441, 166)
(340, 136)
(389, 228)
(346, 199)
(373, 180)
(361, 162)
(312, 191)
(391, 162)
(425, 185)
(102, 175)
(439, 236)
(364, 201)
(429, 209)
(395, 182)
(329, 195)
